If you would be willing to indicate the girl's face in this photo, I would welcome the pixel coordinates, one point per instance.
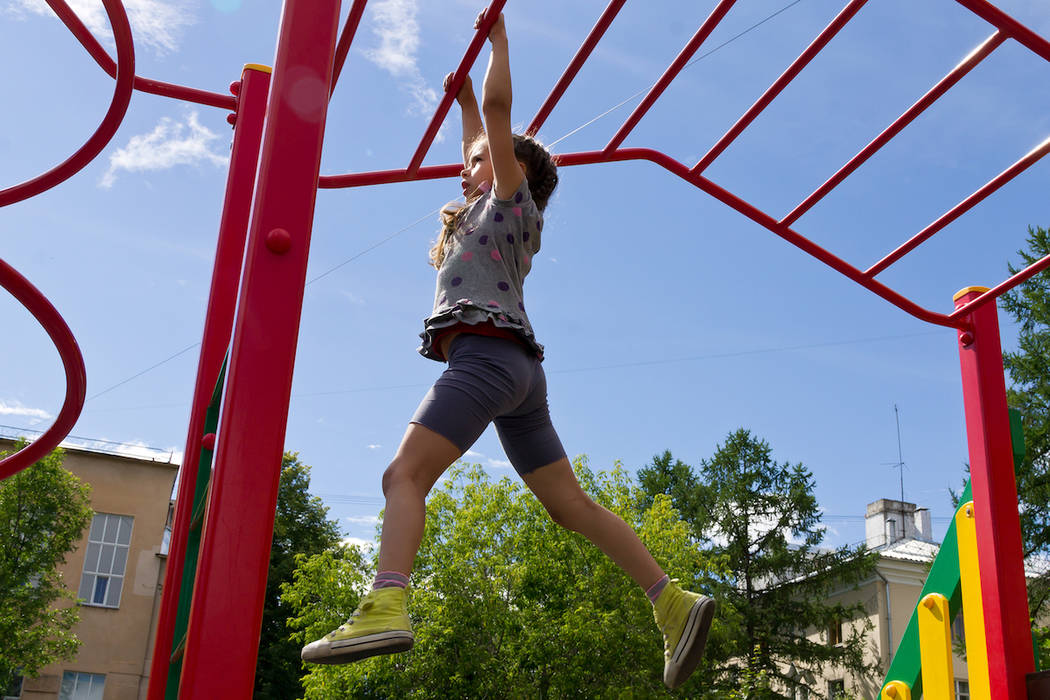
(477, 176)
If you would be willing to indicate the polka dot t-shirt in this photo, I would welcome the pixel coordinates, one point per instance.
(485, 265)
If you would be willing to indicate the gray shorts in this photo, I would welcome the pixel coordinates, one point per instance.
(493, 380)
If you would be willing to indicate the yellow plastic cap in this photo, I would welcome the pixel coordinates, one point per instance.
(259, 67)
(966, 290)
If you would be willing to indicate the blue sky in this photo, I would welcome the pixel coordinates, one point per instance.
(669, 319)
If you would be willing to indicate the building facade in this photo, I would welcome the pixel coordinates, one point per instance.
(901, 533)
(117, 571)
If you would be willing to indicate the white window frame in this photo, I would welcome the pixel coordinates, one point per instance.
(960, 692)
(78, 691)
(106, 560)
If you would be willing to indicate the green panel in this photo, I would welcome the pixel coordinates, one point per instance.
(193, 543)
(1017, 435)
(944, 579)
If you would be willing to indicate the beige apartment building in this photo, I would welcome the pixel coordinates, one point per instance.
(902, 535)
(117, 570)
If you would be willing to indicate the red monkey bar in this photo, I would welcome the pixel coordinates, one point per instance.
(223, 633)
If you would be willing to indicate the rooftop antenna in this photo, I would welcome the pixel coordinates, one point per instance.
(900, 457)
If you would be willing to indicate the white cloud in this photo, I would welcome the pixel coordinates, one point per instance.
(15, 408)
(170, 143)
(365, 545)
(397, 29)
(473, 454)
(154, 23)
(374, 446)
(499, 464)
(362, 519)
(352, 298)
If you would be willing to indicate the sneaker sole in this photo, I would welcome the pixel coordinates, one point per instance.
(690, 647)
(349, 650)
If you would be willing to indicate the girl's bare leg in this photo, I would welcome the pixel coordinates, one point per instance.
(556, 487)
(420, 461)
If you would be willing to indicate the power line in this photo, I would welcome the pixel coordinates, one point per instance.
(136, 376)
(430, 214)
(690, 63)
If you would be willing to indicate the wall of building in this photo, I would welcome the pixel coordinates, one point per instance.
(116, 641)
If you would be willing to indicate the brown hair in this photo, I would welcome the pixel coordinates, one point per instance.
(540, 172)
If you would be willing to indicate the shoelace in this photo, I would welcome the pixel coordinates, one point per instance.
(365, 605)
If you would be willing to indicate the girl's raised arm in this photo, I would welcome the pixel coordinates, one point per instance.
(468, 104)
(495, 106)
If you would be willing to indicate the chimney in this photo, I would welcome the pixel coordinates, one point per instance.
(888, 521)
(923, 528)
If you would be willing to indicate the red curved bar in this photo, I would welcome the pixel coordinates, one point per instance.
(118, 107)
(457, 81)
(154, 87)
(596, 33)
(72, 361)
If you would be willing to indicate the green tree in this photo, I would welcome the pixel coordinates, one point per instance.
(301, 527)
(43, 512)
(1029, 371)
(763, 519)
(505, 603)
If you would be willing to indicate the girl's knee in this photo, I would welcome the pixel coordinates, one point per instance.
(398, 474)
(573, 513)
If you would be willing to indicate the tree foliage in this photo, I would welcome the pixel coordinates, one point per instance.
(1029, 371)
(301, 527)
(44, 510)
(504, 602)
(762, 518)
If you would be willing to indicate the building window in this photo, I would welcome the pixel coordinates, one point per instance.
(834, 632)
(962, 690)
(106, 560)
(14, 689)
(836, 689)
(801, 692)
(81, 686)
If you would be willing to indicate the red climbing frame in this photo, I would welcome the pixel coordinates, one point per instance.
(226, 615)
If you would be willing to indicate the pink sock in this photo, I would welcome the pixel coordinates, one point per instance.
(390, 579)
(654, 591)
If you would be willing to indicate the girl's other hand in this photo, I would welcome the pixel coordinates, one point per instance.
(498, 29)
(465, 90)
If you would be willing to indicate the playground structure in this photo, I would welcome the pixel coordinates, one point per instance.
(209, 622)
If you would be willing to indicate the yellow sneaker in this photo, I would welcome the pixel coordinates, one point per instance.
(379, 626)
(685, 619)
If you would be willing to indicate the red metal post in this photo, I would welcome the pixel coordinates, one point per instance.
(228, 598)
(218, 324)
(999, 549)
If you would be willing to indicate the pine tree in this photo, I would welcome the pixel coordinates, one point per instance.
(1029, 371)
(762, 519)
